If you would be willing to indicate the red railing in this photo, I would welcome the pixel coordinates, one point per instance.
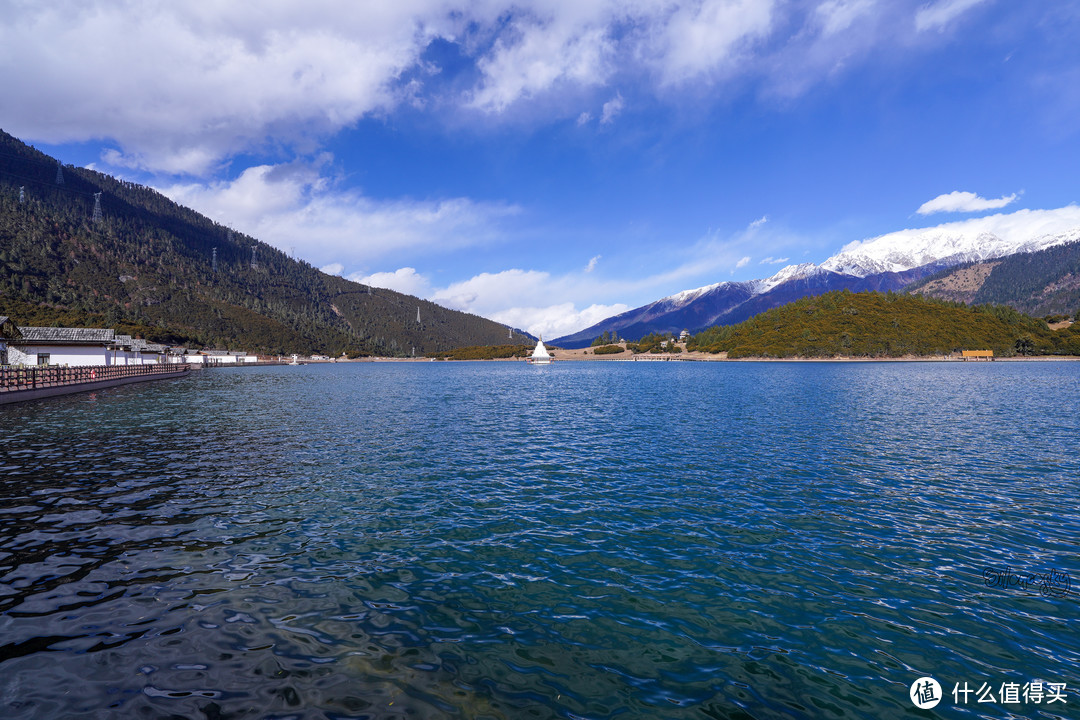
(31, 378)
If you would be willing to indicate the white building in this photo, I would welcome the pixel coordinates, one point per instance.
(127, 350)
(60, 346)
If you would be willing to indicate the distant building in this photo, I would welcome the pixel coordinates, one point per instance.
(684, 336)
(97, 346)
(9, 332)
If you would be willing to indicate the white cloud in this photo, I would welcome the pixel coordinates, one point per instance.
(541, 50)
(592, 263)
(957, 201)
(183, 85)
(773, 261)
(611, 110)
(505, 297)
(296, 205)
(333, 269)
(743, 262)
(404, 280)
(936, 16)
(703, 38)
(759, 222)
(839, 15)
(556, 321)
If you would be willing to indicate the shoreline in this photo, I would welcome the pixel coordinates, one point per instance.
(577, 356)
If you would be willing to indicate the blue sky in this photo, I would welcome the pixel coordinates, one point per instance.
(550, 164)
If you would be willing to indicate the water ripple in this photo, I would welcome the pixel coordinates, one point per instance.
(489, 540)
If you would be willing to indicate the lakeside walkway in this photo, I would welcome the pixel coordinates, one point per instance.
(18, 384)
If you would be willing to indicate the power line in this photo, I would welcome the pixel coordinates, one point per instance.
(42, 182)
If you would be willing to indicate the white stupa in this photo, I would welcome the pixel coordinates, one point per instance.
(540, 354)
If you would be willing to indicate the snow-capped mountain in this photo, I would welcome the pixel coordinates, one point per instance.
(887, 262)
(971, 240)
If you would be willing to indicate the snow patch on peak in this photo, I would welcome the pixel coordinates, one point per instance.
(790, 272)
(682, 298)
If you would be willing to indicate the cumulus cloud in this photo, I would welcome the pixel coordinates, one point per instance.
(498, 296)
(183, 87)
(541, 50)
(936, 16)
(957, 201)
(404, 280)
(297, 205)
(554, 321)
(333, 269)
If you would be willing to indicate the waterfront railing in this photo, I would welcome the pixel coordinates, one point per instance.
(14, 378)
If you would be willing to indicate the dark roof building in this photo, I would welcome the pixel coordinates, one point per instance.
(66, 336)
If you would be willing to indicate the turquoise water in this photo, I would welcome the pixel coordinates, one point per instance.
(583, 540)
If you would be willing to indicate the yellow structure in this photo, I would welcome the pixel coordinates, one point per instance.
(977, 354)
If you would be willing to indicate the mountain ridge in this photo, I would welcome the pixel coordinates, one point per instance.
(888, 262)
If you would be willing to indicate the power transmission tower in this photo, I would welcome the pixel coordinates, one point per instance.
(417, 314)
(96, 217)
(59, 173)
(254, 262)
(214, 261)
(22, 194)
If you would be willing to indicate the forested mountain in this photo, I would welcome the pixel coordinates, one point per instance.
(1046, 282)
(872, 324)
(147, 263)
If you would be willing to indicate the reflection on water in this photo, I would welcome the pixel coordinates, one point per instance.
(487, 540)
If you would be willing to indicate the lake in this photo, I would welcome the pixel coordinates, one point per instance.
(582, 540)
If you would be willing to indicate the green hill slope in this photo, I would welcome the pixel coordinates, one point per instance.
(885, 325)
(148, 263)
